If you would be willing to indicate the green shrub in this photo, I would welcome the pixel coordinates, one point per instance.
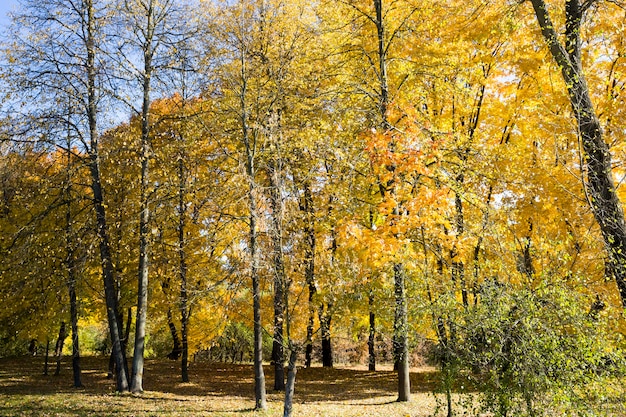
(531, 352)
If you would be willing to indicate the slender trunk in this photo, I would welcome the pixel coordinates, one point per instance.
(109, 283)
(129, 323)
(309, 330)
(278, 352)
(58, 351)
(123, 341)
(309, 272)
(291, 382)
(176, 346)
(98, 200)
(142, 281)
(71, 276)
(371, 341)
(45, 364)
(400, 339)
(458, 267)
(74, 324)
(249, 141)
(148, 50)
(325, 309)
(325, 316)
(259, 376)
(444, 360)
(184, 360)
(401, 348)
(182, 269)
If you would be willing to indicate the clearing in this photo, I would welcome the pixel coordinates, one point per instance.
(215, 390)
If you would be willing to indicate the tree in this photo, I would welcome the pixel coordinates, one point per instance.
(605, 204)
(239, 33)
(59, 47)
(379, 26)
(153, 26)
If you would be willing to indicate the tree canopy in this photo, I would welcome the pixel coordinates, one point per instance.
(365, 180)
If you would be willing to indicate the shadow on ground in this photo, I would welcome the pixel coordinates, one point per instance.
(24, 376)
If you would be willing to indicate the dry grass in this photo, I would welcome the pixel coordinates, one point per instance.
(215, 390)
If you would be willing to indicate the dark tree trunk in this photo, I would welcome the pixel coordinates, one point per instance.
(75, 343)
(144, 217)
(309, 271)
(185, 311)
(606, 206)
(70, 264)
(176, 348)
(458, 267)
(184, 360)
(325, 316)
(249, 142)
(291, 382)
(259, 376)
(45, 364)
(400, 342)
(58, 350)
(371, 341)
(107, 270)
(123, 342)
(276, 205)
(129, 323)
(400, 328)
(444, 361)
(98, 199)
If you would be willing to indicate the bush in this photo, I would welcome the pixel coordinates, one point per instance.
(531, 351)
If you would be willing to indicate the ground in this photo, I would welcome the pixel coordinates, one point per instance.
(215, 390)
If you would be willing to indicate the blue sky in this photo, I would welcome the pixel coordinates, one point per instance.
(5, 7)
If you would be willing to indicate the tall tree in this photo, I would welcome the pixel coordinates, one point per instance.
(237, 32)
(150, 31)
(60, 46)
(605, 204)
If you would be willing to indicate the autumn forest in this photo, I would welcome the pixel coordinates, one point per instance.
(290, 184)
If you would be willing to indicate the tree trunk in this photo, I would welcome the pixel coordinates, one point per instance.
(606, 207)
(371, 341)
(176, 346)
(184, 360)
(400, 328)
(182, 269)
(70, 264)
(444, 360)
(458, 267)
(325, 316)
(98, 200)
(250, 144)
(259, 376)
(74, 323)
(123, 342)
(309, 271)
(45, 364)
(58, 350)
(142, 281)
(291, 382)
(129, 323)
(278, 353)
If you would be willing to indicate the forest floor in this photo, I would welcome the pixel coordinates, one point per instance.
(214, 390)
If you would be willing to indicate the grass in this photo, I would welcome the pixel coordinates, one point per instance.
(215, 390)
